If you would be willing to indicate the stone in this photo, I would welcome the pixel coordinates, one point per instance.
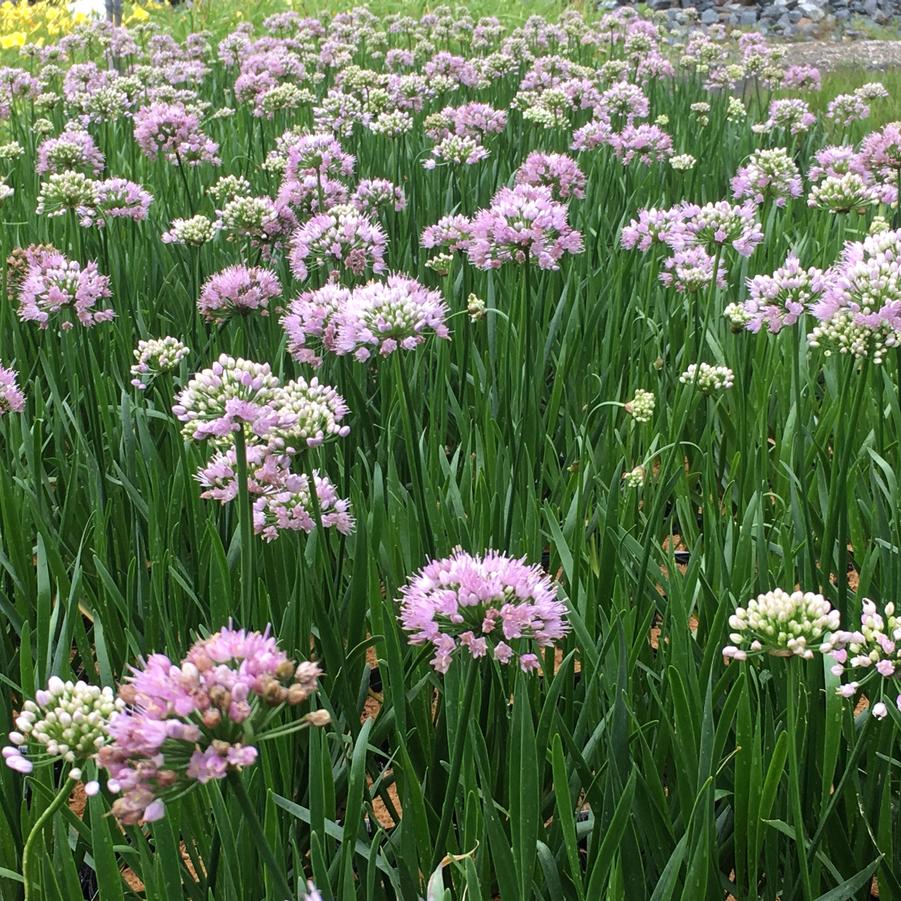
(812, 11)
(748, 17)
(709, 17)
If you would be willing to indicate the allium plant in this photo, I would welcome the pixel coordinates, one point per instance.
(781, 624)
(641, 407)
(691, 270)
(779, 300)
(154, 357)
(524, 224)
(709, 379)
(860, 310)
(194, 231)
(869, 654)
(60, 288)
(68, 722)
(173, 131)
(73, 150)
(311, 322)
(232, 395)
(342, 241)
(486, 605)
(237, 290)
(199, 720)
(769, 175)
(12, 400)
(556, 171)
(382, 317)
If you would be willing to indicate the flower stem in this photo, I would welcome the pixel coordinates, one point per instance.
(245, 525)
(794, 691)
(282, 885)
(456, 761)
(37, 829)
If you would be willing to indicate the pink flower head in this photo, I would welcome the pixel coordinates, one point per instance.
(386, 316)
(558, 172)
(172, 130)
(342, 240)
(778, 300)
(12, 400)
(237, 289)
(645, 143)
(479, 603)
(74, 150)
(691, 270)
(54, 286)
(311, 322)
(523, 224)
(450, 233)
(180, 726)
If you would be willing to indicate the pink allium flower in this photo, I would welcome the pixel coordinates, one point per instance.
(55, 285)
(645, 143)
(319, 154)
(373, 194)
(881, 151)
(846, 109)
(834, 162)
(174, 131)
(793, 114)
(652, 226)
(778, 300)
(592, 135)
(622, 103)
(860, 310)
(718, 223)
(802, 77)
(311, 322)
(116, 198)
(290, 508)
(311, 194)
(74, 149)
(12, 400)
(475, 120)
(386, 316)
(232, 394)
(769, 175)
(311, 413)
(457, 151)
(237, 289)
(185, 723)
(342, 240)
(155, 356)
(486, 605)
(450, 233)
(523, 224)
(691, 270)
(556, 171)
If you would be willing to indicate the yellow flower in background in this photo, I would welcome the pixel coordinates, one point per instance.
(138, 14)
(16, 39)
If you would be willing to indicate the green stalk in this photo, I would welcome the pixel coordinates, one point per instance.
(36, 830)
(259, 837)
(456, 761)
(793, 691)
(409, 418)
(245, 525)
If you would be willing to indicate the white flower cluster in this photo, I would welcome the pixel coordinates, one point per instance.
(682, 161)
(66, 191)
(634, 478)
(841, 194)
(781, 624)
(737, 316)
(195, 231)
(314, 412)
(154, 356)
(68, 721)
(709, 378)
(246, 217)
(641, 407)
(844, 334)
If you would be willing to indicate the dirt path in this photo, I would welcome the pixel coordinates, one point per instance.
(835, 54)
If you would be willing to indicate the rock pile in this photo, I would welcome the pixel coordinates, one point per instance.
(788, 18)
